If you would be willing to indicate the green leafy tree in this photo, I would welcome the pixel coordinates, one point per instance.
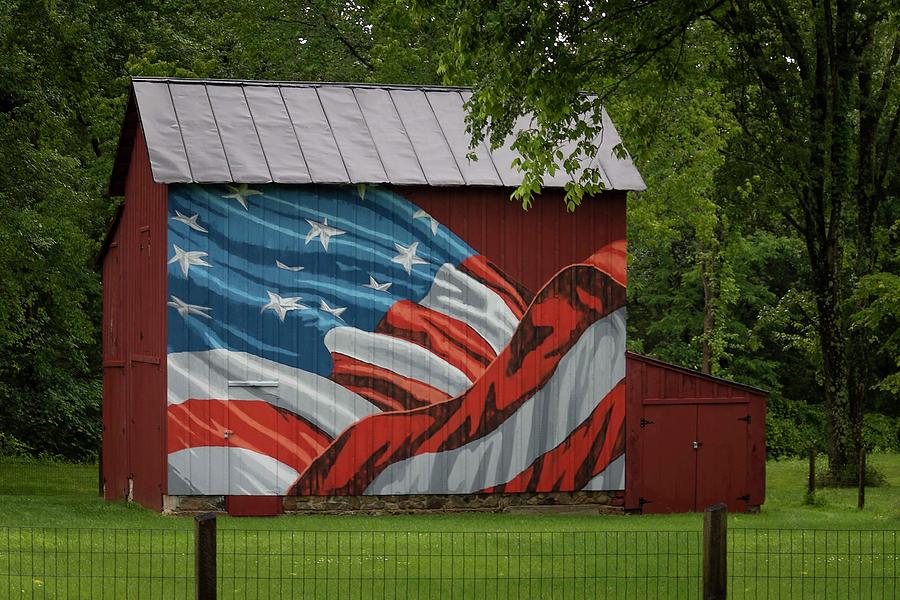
(814, 91)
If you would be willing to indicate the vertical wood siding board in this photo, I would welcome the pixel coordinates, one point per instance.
(219, 132)
(450, 114)
(390, 136)
(294, 131)
(262, 148)
(162, 132)
(205, 152)
(428, 142)
(317, 144)
(355, 145)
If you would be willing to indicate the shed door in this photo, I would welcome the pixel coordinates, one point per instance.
(722, 467)
(669, 469)
(694, 455)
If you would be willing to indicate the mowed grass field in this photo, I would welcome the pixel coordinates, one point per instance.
(58, 539)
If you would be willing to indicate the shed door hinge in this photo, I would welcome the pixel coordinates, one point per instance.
(745, 497)
(747, 418)
(642, 501)
(645, 422)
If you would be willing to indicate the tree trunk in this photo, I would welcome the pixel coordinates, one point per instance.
(708, 318)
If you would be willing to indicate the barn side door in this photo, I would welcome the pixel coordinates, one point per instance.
(669, 459)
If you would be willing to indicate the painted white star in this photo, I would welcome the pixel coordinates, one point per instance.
(281, 306)
(421, 214)
(336, 311)
(241, 193)
(323, 231)
(186, 259)
(378, 287)
(189, 221)
(184, 309)
(281, 265)
(407, 256)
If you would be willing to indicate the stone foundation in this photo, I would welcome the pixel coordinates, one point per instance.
(581, 503)
(192, 504)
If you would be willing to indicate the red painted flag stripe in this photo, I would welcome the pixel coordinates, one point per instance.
(255, 425)
(575, 299)
(382, 387)
(516, 297)
(449, 338)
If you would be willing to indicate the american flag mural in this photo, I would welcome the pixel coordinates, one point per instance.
(339, 340)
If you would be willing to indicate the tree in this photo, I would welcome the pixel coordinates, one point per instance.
(814, 89)
(63, 85)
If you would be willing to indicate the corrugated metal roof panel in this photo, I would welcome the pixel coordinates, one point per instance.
(352, 135)
(396, 151)
(505, 155)
(427, 138)
(449, 111)
(323, 159)
(238, 132)
(168, 159)
(276, 133)
(621, 172)
(256, 132)
(200, 133)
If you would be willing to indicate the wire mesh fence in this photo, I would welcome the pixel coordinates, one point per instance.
(813, 563)
(471, 565)
(41, 562)
(276, 563)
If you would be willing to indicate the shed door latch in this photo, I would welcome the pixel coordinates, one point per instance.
(697, 445)
(746, 418)
(645, 422)
(227, 433)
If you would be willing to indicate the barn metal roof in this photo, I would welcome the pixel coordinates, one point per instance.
(222, 131)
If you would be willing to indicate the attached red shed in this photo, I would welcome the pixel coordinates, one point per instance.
(693, 440)
(310, 291)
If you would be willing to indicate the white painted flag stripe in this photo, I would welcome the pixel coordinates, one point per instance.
(466, 299)
(400, 356)
(220, 470)
(206, 374)
(583, 377)
(610, 478)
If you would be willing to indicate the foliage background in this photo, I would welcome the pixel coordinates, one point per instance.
(714, 280)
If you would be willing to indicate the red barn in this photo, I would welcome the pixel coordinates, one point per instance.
(311, 292)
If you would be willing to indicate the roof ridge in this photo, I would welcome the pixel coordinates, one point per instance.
(283, 83)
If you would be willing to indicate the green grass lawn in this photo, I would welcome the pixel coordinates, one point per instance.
(59, 539)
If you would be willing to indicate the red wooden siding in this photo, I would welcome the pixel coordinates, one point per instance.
(530, 247)
(669, 409)
(134, 343)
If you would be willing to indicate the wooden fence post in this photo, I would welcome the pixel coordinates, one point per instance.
(715, 552)
(205, 557)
